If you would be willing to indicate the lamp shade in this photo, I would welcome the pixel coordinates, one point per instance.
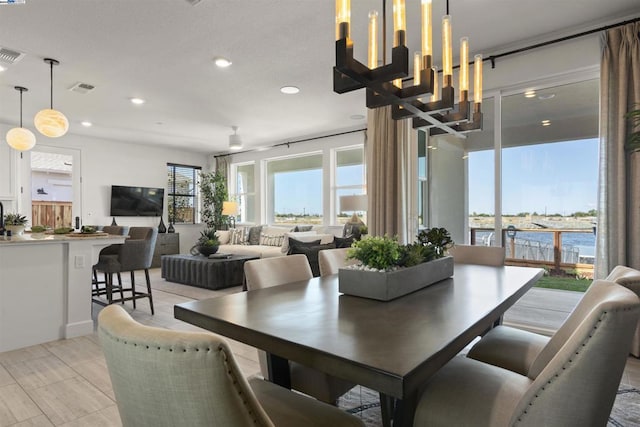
(21, 139)
(51, 123)
(357, 202)
(229, 208)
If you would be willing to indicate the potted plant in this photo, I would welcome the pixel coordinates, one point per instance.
(37, 231)
(208, 242)
(16, 223)
(213, 188)
(388, 270)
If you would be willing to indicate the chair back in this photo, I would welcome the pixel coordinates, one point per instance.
(117, 230)
(582, 364)
(267, 272)
(330, 260)
(481, 255)
(168, 378)
(137, 251)
(630, 279)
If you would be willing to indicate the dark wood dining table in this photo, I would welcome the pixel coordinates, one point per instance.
(392, 347)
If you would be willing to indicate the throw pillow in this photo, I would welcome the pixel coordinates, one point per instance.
(311, 252)
(271, 239)
(224, 236)
(343, 242)
(237, 236)
(303, 236)
(254, 235)
(302, 228)
(298, 243)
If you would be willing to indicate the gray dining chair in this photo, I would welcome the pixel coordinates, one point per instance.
(166, 378)
(475, 254)
(331, 260)
(136, 253)
(572, 382)
(99, 286)
(517, 349)
(267, 272)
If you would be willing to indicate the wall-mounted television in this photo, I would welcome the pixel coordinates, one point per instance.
(136, 201)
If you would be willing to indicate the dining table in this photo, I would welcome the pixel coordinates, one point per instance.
(392, 347)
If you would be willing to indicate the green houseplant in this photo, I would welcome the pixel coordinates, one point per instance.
(213, 187)
(208, 242)
(388, 270)
(15, 222)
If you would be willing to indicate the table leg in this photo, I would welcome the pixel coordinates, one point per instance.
(405, 410)
(279, 370)
(387, 407)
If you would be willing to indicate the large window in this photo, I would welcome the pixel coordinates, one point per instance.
(294, 190)
(349, 180)
(245, 192)
(183, 192)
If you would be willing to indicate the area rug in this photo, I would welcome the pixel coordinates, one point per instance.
(365, 404)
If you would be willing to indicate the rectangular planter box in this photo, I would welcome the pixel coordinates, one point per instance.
(385, 286)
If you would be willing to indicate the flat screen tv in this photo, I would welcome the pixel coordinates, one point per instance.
(136, 201)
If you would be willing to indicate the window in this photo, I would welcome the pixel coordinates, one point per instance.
(245, 192)
(349, 180)
(294, 190)
(183, 193)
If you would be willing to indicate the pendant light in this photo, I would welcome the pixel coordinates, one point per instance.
(21, 139)
(50, 122)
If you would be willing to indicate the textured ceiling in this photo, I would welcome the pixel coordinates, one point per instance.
(163, 50)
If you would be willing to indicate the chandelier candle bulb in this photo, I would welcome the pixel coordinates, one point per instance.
(436, 86)
(427, 33)
(398, 83)
(417, 62)
(447, 50)
(399, 23)
(477, 79)
(373, 39)
(343, 19)
(464, 68)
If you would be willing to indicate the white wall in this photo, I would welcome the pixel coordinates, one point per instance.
(105, 163)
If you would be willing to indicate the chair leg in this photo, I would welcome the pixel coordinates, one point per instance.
(133, 288)
(387, 407)
(108, 278)
(120, 285)
(146, 274)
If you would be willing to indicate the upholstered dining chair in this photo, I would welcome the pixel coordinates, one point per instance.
(169, 378)
(331, 260)
(136, 253)
(482, 255)
(516, 349)
(572, 382)
(630, 279)
(267, 272)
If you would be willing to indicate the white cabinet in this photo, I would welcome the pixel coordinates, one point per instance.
(7, 172)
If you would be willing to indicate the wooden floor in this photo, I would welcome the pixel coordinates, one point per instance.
(66, 383)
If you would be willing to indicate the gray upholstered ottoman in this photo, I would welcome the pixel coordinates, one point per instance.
(197, 270)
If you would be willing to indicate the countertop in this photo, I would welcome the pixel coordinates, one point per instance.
(39, 239)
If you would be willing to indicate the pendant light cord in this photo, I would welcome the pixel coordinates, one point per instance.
(51, 81)
(21, 107)
(447, 7)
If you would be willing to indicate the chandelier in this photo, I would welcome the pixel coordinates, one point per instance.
(416, 98)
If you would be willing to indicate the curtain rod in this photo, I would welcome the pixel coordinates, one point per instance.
(294, 142)
(493, 58)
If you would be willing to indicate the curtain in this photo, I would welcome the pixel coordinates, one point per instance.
(222, 165)
(387, 157)
(618, 227)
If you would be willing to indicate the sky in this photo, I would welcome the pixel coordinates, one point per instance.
(554, 178)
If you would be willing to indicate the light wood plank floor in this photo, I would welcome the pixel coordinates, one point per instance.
(66, 383)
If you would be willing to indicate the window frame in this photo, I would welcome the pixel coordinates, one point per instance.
(172, 194)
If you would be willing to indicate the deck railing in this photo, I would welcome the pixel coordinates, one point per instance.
(555, 256)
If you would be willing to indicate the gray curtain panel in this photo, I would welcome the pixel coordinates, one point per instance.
(222, 165)
(387, 157)
(618, 229)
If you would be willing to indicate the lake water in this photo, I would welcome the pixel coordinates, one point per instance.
(584, 242)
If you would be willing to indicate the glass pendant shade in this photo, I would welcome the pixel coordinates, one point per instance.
(21, 139)
(51, 123)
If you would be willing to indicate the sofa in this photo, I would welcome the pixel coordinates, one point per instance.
(266, 241)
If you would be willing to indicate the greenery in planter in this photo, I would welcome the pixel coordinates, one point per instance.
(213, 187)
(15, 219)
(385, 253)
(208, 238)
(38, 229)
(633, 143)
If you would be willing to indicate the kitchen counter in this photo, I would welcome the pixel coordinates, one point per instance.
(45, 287)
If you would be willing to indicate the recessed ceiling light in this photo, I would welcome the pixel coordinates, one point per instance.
(546, 122)
(289, 90)
(86, 124)
(546, 96)
(357, 117)
(2, 68)
(222, 62)
(137, 101)
(530, 94)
